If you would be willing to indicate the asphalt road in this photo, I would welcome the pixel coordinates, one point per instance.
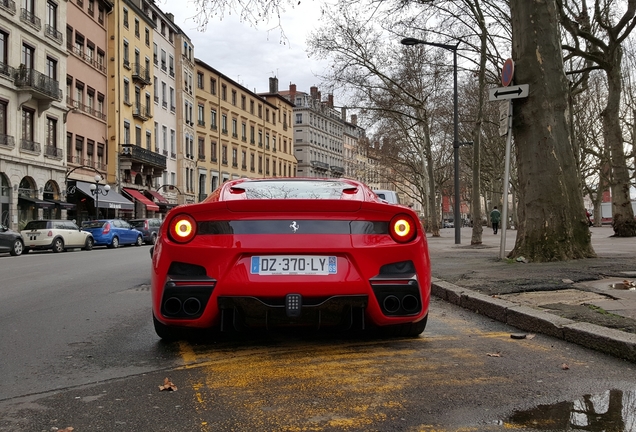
(78, 350)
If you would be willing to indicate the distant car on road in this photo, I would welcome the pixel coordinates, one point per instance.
(11, 241)
(448, 224)
(388, 196)
(113, 233)
(149, 228)
(55, 234)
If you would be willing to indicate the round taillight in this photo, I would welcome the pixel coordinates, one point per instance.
(182, 228)
(402, 228)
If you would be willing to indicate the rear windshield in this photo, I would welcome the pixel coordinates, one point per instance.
(294, 189)
(92, 224)
(136, 223)
(36, 225)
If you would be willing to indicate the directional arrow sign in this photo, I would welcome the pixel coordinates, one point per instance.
(511, 92)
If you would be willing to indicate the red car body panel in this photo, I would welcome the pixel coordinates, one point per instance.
(231, 229)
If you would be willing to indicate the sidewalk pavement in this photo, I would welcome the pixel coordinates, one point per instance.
(589, 302)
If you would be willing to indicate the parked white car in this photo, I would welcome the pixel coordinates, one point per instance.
(54, 234)
(388, 196)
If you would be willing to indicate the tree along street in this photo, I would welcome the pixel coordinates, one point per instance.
(79, 351)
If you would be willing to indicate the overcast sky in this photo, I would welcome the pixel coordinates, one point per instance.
(250, 56)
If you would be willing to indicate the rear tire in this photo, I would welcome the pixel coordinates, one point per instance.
(17, 248)
(413, 329)
(58, 245)
(114, 244)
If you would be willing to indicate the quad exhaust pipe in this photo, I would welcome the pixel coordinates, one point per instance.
(408, 303)
(174, 306)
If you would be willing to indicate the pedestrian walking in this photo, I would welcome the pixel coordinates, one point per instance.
(495, 218)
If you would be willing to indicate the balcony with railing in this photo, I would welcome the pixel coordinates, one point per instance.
(85, 108)
(144, 156)
(7, 141)
(141, 112)
(7, 70)
(96, 62)
(337, 169)
(30, 146)
(8, 5)
(41, 86)
(29, 17)
(54, 34)
(53, 152)
(323, 166)
(140, 74)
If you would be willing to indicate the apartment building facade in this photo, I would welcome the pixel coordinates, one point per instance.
(133, 163)
(32, 110)
(318, 134)
(238, 133)
(86, 101)
(167, 131)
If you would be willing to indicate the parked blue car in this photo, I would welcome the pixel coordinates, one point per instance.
(113, 232)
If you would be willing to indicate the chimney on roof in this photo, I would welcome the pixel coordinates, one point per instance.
(319, 97)
(313, 91)
(292, 93)
(354, 119)
(273, 85)
(330, 100)
(343, 113)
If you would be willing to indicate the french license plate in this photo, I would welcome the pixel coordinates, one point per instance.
(294, 265)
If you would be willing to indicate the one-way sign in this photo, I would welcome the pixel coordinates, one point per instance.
(511, 92)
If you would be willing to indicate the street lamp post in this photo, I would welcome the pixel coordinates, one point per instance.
(456, 144)
(97, 190)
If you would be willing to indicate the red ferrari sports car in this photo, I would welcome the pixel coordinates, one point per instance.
(290, 252)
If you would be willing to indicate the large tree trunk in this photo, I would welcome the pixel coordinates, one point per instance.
(553, 226)
(622, 213)
(476, 193)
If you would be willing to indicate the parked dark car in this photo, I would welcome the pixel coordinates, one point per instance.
(148, 227)
(113, 232)
(11, 241)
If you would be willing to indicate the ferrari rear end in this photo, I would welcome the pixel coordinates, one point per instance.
(293, 252)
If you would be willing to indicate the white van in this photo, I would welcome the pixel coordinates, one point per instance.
(388, 196)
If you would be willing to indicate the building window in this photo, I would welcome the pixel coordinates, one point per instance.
(199, 80)
(126, 18)
(28, 56)
(212, 86)
(137, 27)
(299, 118)
(51, 132)
(234, 128)
(147, 37)
(51, 15)
(234, 97)
(224, 123)
(201, 148)
(234, 157)
(51, 68)
(213, 151)
(223, 92)
(213, 119)
(224, 154)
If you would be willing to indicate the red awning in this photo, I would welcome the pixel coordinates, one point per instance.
(157, 196)
(135, 194)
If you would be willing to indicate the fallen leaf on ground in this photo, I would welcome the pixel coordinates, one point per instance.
(493, 354)
(168, 385)
(530, 336)
(565, 366)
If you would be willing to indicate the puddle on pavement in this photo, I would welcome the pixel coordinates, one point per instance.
(611, 411)
(630, 286)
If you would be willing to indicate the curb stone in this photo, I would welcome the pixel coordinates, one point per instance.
(609, 341)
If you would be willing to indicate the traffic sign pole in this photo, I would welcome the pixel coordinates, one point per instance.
(504, 214)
